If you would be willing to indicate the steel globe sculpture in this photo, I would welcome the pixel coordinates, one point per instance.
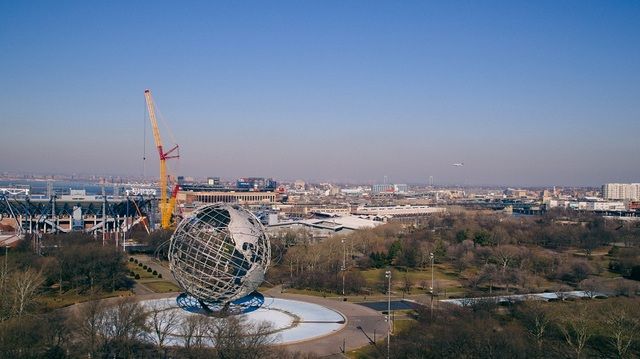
(219, 254)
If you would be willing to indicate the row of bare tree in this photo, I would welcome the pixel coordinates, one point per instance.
(124, 328)
(592, 328)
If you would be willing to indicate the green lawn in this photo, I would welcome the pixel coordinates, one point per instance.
(401, 325)
(55, 300)
(413, 274)
(161, 286)
(374, 277)
(351, 298)
(141, 272)
(316, 293)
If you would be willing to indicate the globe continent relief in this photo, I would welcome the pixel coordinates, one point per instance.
(219, 253)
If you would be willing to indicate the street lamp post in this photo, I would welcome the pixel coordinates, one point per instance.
(344, 264)
(126, 223)
(387, 274)
(431, 257)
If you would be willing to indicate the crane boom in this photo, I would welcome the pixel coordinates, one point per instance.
(166, 204)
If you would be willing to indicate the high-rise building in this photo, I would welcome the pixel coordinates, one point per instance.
(621, 191)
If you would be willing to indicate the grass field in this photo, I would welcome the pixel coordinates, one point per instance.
(55, 300)
(443, 275)
(374, 275)
(401, 325)
(316, 293)
(150, 281)
(141, 272)
(161, 286)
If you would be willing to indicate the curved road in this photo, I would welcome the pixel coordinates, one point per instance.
(362, 324)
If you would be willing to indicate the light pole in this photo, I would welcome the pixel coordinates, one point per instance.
(126, 224)
(431, 257)
(344, 264)
(387, 274)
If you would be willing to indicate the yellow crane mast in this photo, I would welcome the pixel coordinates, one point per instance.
(166, 203)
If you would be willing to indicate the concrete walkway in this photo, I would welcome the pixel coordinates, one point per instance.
(362, 325)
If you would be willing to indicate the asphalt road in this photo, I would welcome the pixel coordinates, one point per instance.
(362, 324)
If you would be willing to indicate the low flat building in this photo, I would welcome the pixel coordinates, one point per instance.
(302, 210)
(325, 227)
(587, 205)
(227, 197)
(605, 206)
(408, 210)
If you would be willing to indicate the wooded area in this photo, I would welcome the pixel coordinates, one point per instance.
(475, 254)
(479, 253)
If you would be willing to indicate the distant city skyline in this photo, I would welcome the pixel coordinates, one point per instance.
(523, 93)
(17, 178)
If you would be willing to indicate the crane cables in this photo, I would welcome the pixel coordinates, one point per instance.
(175, 166)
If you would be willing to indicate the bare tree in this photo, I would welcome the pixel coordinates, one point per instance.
(424, 248)
(258, 339)
(5, 297)
(592, 287)
(123, 326)
(88, 321)
(25, 285)
(234, 338)
(537, 320)
(625, 287)
(463, 262)
(162, 321)
(489, 274)
(560, 291)
(193, 330)
(34, 336)
(407, 283)
(576, 327)
(473, 281)
(622, 322)
(506, 255)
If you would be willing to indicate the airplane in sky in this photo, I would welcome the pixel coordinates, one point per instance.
(458, 164)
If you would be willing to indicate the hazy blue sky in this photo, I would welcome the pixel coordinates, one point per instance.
(524, 93)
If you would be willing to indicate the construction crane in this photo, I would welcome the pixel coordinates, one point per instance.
(167, 203)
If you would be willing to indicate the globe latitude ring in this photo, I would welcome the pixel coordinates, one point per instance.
(220, 253)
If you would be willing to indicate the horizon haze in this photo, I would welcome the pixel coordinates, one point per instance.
(523, 93)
